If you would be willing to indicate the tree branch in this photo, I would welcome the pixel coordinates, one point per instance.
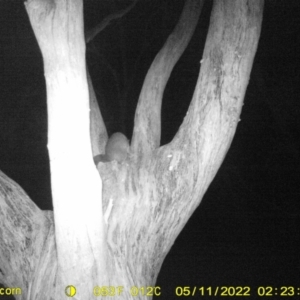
(101, 26)
(147, 123)
(175, 177)
(24, 229)
(191, 161)
(97, 127)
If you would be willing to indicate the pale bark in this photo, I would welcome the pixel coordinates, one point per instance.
(98, 131)
(26, 235)
(147, 122)
(157, 196)
(145, 204)
(76, 185)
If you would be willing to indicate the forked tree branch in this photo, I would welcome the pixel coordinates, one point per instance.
(147, 123)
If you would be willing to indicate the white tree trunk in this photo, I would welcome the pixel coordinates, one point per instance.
(75, 182)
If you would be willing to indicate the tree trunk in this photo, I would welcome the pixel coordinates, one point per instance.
(75, 182)
(117, 237)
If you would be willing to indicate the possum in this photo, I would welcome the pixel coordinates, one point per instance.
(117, 148)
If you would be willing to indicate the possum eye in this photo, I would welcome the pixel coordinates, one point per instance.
(117, 148)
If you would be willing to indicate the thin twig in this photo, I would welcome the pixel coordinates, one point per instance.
(98, 28)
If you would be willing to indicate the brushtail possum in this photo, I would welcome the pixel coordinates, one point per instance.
(117, 148)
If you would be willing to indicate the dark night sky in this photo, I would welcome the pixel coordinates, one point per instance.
(246, 230)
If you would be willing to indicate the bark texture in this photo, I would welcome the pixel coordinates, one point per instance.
(75, 182)
(147, 199)
(152, 196)
(147, 123)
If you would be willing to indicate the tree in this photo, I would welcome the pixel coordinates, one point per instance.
(117, 228)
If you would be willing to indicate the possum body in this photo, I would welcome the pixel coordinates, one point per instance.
(117, 148)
